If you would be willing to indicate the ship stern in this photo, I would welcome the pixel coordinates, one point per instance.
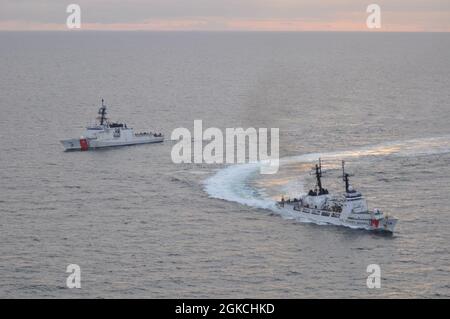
(72, 144)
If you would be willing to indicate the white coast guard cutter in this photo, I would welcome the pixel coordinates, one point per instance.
(349, 209)
(108, 134)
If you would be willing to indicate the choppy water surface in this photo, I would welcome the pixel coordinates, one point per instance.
(140, 226)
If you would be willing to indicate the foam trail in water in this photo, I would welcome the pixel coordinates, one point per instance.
(230, 184)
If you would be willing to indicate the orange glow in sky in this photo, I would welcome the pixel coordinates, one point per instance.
(228, 15)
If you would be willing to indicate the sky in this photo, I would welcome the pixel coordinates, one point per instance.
(227, 15)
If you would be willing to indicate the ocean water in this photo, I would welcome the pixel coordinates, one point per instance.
(139, 225)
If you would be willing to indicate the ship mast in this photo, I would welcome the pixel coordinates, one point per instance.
(319, 175)
(102, 113)
(345, 178)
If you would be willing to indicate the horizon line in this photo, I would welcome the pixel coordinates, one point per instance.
(224, 31)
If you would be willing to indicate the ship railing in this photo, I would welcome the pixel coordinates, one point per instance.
(148, 134)
(320, 212)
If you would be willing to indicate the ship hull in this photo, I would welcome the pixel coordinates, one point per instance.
(319, 216)
(76, 145)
